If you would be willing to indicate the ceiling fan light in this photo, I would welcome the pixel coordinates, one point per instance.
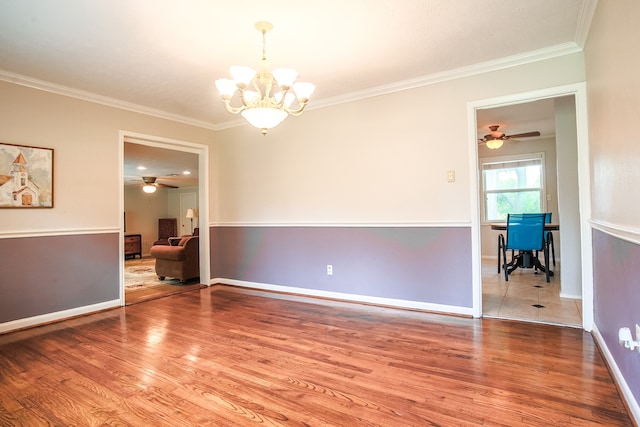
(149, 188)
(494, 144)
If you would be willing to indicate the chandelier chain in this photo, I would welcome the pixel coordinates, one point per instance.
(264, 44)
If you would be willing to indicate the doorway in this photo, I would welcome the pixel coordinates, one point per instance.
(582, 251)
(149, 228)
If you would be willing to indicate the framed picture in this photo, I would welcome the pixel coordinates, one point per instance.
(26, 176)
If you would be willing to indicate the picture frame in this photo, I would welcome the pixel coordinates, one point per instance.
(26, 177)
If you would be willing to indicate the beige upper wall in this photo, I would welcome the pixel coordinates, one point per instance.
(383, 159)
(613, 88)
(379, 160)
(85, 137)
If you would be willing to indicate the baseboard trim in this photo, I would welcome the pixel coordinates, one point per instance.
(627, 395)
(569, 296)
(364, 299)
(56, 316)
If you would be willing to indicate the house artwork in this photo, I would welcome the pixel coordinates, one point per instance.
(25, 185)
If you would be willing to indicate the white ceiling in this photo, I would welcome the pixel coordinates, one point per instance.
(162, 56)
(168, 166)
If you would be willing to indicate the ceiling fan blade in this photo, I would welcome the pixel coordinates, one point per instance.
(165, 185)
(524, 135)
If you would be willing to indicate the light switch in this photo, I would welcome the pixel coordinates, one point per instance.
(548, 197)
(451, 176)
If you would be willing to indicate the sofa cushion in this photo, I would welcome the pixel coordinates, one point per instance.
(173, 253)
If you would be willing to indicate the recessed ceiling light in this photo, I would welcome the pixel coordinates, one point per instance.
(186, 172)
(141, 168)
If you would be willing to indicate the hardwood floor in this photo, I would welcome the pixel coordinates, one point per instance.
(154, 287)
(160, 291)
(223, 356)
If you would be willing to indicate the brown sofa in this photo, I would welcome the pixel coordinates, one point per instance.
(181, 261)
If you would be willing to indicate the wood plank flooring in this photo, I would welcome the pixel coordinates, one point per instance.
(153, 287)
(223, 356)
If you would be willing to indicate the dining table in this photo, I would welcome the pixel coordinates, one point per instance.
(502, 226)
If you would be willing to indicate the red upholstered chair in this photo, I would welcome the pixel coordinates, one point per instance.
(167, 227)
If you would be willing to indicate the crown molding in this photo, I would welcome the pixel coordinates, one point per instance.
(584, 22)
(457, 73)
(18, 79)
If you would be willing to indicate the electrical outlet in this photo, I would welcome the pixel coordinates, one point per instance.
(329, 270)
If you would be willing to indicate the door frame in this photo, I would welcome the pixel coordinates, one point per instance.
(579, 91)
(203, 194)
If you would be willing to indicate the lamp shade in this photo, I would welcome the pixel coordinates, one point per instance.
(494, 143)
(190, 213)
(264, 118)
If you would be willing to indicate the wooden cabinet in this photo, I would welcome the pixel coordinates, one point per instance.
(132, 245)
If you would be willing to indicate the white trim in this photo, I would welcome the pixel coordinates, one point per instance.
(584, 22)
(56, 316)
(388, 302)
(617, 375)
(46, 86)
(579, 91)
(60, 232)
(475, 206)
(431, 224)
(570, 296)
(624, 233)
(203, 192)
(457, 73)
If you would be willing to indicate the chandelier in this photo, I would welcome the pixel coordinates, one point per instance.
(259, 107)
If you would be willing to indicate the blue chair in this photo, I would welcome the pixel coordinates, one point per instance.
(548, 238)
(525, 234)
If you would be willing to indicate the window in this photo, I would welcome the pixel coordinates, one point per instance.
(512, 185)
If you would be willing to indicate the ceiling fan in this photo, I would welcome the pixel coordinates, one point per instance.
(496, 138)
(150, 184)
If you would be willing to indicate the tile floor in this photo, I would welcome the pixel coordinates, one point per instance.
(527, 296)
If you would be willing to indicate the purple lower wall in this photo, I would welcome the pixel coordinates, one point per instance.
(424, 264)
(616, 291)
(41, 275)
